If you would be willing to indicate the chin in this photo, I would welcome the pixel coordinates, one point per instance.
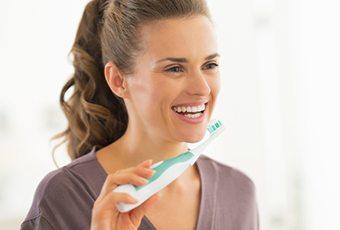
(193, 141)
(194, 137)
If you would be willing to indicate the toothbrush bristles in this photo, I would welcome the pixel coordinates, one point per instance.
(216, 125)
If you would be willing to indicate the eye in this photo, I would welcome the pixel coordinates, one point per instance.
(212, 64)
(174, 69)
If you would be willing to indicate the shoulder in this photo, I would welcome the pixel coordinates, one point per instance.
(68, 185)
(48, 189)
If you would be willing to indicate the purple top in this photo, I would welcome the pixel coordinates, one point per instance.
(64, 198)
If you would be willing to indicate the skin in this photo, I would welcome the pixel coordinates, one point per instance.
(154, 132)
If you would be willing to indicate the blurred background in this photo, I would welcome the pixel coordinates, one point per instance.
(280, 71)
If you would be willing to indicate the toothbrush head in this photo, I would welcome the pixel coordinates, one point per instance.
(215, 127)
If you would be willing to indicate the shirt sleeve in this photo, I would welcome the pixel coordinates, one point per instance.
(38, 223)
(61, 201)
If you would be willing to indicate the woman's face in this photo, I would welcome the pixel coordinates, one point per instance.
(157, 84)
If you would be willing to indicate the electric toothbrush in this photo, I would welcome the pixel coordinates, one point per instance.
(167, 171)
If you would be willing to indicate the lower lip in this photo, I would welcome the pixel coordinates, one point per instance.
(192, 120)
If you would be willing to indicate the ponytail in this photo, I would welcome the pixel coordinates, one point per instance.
(95, 115)
(108, 31)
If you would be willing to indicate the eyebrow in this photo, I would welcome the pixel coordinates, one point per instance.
(174, 59)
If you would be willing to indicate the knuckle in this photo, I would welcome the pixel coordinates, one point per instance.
(117, 171)
(111, 180)
(136, 178)
(126, 196)
(137, 168)
(119, 196)
(134, 171)
(111, 177)
(139, 178)
(139, 171)
(116, 197)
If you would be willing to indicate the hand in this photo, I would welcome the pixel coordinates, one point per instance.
(105, 215)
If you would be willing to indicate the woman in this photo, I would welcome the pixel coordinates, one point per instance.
(136, 62)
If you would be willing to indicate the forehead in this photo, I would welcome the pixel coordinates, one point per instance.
(185, 37)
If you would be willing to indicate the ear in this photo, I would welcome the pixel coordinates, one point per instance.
(115, 80)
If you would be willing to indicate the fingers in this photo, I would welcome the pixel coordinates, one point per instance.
(137, 214)
(137, 175)
(144, 172)
(149, 202)
(104, 209)
(109, 202)
(146, 163)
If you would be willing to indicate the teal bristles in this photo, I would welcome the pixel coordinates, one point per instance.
(214, 125)
(215, 128)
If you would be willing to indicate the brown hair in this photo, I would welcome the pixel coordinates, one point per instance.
(108, 31)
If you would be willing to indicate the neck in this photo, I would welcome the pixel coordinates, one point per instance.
(131, 149)
(134, 147)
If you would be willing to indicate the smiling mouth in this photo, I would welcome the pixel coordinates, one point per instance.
(183, 113)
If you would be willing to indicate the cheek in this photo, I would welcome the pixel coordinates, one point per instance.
(160, 95)
(150, 97)
(215, 85)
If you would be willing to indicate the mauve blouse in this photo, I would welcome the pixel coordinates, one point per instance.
(64, 197)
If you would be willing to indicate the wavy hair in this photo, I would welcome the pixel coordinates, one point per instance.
(108, 31)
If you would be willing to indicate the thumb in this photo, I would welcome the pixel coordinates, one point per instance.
(137, 214)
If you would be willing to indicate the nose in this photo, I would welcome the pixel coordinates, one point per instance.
(198, 85)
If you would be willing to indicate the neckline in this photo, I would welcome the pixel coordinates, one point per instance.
(200, 169)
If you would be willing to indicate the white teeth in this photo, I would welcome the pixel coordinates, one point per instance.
(195, 109)
(193, 115)
(190, 108)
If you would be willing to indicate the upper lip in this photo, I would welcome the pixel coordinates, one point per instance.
(191, 103)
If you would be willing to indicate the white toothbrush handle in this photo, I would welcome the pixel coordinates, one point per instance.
(153, 187)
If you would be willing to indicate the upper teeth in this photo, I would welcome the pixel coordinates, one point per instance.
(190, 108)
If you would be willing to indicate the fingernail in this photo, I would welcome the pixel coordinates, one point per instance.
(144, 180)
(151, 171)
